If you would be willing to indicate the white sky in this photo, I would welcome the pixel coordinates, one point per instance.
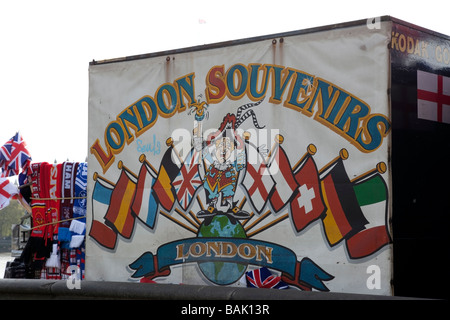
(46, 47)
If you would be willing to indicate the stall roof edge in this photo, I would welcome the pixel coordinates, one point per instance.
(264, 37)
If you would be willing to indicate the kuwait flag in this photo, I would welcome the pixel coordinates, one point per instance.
(372, 197)
(433, 97)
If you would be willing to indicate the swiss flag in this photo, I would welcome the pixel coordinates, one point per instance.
(433, 97)
(307, 204)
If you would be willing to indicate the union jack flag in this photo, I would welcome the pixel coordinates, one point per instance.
(188, 179)
(263, 278)
(14, 156)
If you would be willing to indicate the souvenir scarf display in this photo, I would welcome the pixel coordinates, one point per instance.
(39, 246)
(58, 209)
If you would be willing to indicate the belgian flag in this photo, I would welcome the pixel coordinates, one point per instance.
(163, 188)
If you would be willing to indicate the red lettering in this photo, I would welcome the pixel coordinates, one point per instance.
(105, 160)
(216, 88)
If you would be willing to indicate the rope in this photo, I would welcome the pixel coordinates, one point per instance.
(55, 222)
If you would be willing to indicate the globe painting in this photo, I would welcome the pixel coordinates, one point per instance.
(222, 226)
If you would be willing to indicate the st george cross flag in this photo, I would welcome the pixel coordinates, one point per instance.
(433, 97)
(263, 278)
(7, 191)
(144, 205)
(285, 183)
(15, 156)
(257, 182)
(307, 204)
(188, 179)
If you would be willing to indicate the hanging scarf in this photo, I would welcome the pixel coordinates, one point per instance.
(69, 170)
(79, 206)
(53, 177)
(39, 217)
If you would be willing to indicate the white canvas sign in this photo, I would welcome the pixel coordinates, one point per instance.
(207, 165)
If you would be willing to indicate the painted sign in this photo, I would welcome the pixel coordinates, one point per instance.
(208, 164)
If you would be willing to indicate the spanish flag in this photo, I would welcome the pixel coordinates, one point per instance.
(344, 217)
(119, 216)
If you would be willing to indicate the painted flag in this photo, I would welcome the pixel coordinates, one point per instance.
(15, 156)
(188, 179)
(343, 217)
(101, 199)
(118, 216)
(285, 183)
(372, 196)
(145, 206)
(433, 97)
(263, 278)
(163, 187)
(7, 191)
(307, 204)
(257, 182)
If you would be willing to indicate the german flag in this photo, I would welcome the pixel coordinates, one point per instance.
(344, 217)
